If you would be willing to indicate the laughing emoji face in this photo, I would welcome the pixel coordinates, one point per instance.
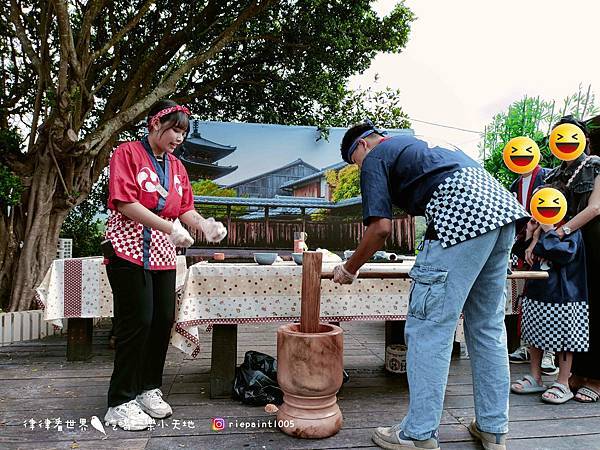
(521, 154)
(567, 141)
(548, 206)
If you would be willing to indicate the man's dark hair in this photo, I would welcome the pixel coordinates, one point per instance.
(352, 133)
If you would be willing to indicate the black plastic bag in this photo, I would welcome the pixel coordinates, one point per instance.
(255, 380)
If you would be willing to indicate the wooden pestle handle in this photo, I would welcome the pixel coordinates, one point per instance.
(310, 306)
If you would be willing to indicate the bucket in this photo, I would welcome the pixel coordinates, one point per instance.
(395, 358)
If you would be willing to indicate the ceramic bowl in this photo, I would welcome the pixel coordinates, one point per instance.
(265, 259)
(297, 258)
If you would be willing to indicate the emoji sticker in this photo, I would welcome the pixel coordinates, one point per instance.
(567, 141)
(548, 206)
(521, 154)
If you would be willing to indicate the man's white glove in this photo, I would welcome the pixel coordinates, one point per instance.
(342, 276)
(180, 237)
(213, 231)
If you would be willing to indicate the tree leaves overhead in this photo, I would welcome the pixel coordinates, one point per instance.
(282, 66)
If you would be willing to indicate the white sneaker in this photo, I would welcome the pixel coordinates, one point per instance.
(151, 401)
(548, 365)
(128, 416)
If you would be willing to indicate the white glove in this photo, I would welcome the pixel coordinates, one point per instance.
(213, 231)
(180, 237)
(342, 276)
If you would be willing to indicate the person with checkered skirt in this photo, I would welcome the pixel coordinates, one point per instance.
(462, 267)
(555, 310)
(149, 194)
(581, 177)
(522, 188)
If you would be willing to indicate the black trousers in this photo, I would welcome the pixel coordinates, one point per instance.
(144, 308)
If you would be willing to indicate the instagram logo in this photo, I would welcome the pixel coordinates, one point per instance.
(218, 424)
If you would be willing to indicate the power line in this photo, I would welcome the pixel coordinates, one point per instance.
(445, 126)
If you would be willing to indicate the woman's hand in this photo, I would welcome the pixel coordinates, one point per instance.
(213, 231)
(179, 236)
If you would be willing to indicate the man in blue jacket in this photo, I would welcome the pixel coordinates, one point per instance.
(462, 267)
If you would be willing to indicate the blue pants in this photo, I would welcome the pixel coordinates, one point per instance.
(468, 277)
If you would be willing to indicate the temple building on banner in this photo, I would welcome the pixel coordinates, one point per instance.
(200, 156)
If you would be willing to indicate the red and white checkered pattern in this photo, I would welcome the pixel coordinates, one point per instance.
(162, 252)
(127, 237)
(72, 283)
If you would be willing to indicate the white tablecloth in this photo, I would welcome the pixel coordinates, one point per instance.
(249, 293)
(78, 287)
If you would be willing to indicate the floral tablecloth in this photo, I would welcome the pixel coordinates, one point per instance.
(78, 287)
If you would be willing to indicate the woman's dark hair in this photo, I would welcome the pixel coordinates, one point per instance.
(177, 119)
(349, 137)
(572, 120)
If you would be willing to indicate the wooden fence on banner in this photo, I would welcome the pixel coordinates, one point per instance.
(333, 235)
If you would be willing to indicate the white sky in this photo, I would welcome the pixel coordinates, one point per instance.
(467, 60)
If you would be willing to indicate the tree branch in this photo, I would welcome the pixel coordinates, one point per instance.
(109, 74)
(93, 8)
(66, 37)
(96, 140)
(121, 33)
(15, 18)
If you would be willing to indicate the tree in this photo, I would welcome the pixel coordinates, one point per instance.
(532, 117)
(77, 76)
(212, 189)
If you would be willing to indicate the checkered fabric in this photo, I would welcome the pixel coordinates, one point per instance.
(162, 252)
(468, 203)
(127, 238)
(558, 327)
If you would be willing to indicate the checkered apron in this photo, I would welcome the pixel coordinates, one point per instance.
(558, 327)
(468, 203)
(127, 238)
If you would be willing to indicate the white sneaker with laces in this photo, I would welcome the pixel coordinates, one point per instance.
(128, 416)
(151, 401)
(548, 365)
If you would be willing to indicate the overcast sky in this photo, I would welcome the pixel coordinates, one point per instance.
(467, 60)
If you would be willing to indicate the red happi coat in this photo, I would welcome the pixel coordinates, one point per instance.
(136, 176)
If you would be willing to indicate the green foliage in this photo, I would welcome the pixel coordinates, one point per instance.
(382, 107)
(345, 183)
(212, 189)
(297, 74)
(532, 117)
(11, 187)
(83, 223)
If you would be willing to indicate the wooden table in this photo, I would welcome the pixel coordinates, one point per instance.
(77, 289)
(222, 296)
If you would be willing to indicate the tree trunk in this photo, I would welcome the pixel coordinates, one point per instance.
(29, 237)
